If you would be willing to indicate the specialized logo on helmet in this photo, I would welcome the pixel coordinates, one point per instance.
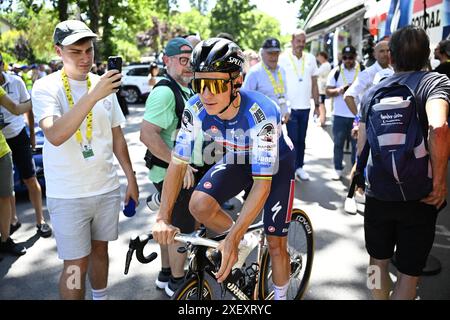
(235, 61)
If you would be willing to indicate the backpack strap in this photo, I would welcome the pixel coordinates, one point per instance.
(336, 74)
(180, 98)
(180, 95)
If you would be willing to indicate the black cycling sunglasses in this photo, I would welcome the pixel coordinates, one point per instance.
(348, 58)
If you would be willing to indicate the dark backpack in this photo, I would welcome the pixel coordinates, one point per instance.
(180, 97)
(398, 168)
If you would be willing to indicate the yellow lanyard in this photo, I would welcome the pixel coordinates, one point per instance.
(78, 135)
(294, 64)
(343, 76)
(278, 88)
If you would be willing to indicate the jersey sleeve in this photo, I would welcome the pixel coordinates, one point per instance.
(264, 142)
(191, 127)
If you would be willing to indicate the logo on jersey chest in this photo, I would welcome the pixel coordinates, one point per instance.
(257, 113)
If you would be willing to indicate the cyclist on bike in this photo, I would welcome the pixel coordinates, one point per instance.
(248, 124)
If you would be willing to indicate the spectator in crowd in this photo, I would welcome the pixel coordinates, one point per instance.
(251, 58)
(268, 77)
(162, 118)
(443, 54)
(408, 227)
(80, 116)
(7, 245)
(153, 74)
(301, 77)
(21, 145)
(339, 80)
(324, 70)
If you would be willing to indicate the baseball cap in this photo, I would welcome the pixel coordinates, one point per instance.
(173, 47)
(349, 50)
(271, 45)
(70, 31)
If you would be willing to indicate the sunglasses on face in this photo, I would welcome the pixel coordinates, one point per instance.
(215, 86)
(348, 58)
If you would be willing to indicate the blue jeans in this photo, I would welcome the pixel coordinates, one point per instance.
(342, 128)
(297, 126)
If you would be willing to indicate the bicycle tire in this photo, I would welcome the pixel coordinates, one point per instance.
(188, 291)
(301, 248)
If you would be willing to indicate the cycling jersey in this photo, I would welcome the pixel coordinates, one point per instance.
(255, 132)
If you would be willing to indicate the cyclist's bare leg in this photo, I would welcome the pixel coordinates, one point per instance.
(280, 260)
(164, 256)
(207, 211)
(176, 260)
(381, 291)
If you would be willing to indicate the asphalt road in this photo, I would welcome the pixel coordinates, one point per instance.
(340, 261)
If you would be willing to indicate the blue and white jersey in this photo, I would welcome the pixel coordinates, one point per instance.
(254, 135)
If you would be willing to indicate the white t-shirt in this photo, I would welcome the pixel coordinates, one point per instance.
(340, 107)
(366, 80)
(67, 174)
(299, 92)
(17, 92)
(323, 72)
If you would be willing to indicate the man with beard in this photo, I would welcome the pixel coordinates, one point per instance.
(162, 118)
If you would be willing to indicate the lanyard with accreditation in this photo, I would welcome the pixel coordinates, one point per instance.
(278, 87)
(86, 149)
(294, 64)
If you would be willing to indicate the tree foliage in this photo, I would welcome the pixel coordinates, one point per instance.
(233, 17)
(133, 28)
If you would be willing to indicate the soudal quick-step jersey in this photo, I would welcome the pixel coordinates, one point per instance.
(254, 135)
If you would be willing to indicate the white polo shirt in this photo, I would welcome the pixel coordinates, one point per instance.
(18, 93)
(67, 174)
(298, 78)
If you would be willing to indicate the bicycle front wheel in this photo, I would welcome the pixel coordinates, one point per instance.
(189, 291)
(301, 252)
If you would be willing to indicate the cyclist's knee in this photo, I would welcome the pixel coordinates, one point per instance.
(201, 205)
(277, 246)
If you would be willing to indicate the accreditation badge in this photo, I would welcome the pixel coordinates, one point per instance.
(87, 152)
(281, 100)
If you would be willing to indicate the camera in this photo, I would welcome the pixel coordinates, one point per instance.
(115, 63)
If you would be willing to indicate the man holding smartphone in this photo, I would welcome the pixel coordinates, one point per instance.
(80, 116)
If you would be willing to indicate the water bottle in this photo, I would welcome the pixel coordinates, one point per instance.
(130, 208)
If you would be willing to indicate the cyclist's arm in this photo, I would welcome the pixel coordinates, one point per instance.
(163, 231)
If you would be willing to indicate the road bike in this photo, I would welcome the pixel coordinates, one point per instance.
(251, 281)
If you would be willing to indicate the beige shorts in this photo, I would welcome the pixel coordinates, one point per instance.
(76, 222)
(6, 176)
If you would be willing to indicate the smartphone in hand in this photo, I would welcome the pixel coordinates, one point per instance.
(115, 63)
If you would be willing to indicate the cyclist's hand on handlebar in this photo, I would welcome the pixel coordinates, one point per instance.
(189, 179)
(229, 250)
(164, 232)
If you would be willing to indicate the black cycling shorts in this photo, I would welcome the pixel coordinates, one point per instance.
(227, 179)
(22, 155)
(408, 226)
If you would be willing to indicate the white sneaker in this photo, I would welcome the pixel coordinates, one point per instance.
(302, 174)
(337, 175)
(247, 244)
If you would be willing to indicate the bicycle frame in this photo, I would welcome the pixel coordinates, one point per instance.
(199, 262)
